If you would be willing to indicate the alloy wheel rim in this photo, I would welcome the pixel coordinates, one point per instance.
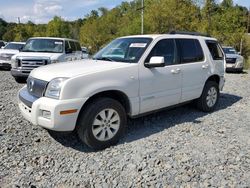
(106, 124)
(211, 97)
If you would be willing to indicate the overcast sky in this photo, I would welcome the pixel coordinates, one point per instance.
(41, 11)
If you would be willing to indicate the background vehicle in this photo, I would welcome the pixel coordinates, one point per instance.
(7, 52)
(42, 51)
(2, 43)
(94, 98)
(85, 53)
(234, 61)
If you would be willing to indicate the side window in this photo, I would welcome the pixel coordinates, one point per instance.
(166, 49)
(78, 47)
(190, 50)
(215, 50)
(67, 47)
(72, 46)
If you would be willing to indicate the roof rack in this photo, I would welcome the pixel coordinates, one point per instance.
(189, 33)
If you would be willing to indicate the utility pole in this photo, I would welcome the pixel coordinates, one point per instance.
(18, 20)
(142, 17)
(248, 20)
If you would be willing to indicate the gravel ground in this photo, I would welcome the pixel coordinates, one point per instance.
(182, 147)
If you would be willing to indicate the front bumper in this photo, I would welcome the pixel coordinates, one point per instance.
(57, 121)
(238, 66)
(5, 64)
(17, 73)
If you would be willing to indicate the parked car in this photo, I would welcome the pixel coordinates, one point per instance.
(7, 52)
(96, 97)
(40, 51)
(2, 43)
(234, 61)
(85, 53)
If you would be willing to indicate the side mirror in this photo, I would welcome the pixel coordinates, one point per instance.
(239, 53)
(69, 51)
(155, 61)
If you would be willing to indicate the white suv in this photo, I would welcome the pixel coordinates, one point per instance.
(131, 76)
(40, 51)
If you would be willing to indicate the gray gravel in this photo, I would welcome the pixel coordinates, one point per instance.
(182, 147)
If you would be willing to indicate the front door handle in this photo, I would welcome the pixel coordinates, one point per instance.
(204, 66)
(176, 71)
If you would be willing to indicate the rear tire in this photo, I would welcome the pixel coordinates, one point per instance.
(209, 97)
(102, 123)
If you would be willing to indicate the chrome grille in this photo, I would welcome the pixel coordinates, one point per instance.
(36, 87)
(27, 65)
(230, 60)
(5, 57)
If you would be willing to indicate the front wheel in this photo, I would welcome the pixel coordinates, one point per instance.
(102, 123)
(209, 97)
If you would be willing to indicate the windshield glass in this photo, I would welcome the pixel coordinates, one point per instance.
(124, 50)
(13, 46)
(229, 50)
(43, 45)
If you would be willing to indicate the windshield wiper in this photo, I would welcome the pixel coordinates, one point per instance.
(104, 59)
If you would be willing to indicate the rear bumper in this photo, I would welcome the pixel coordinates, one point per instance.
(17, 73)
(56, 120)
(222, 83)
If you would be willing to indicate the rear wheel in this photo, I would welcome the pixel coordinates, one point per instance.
(102, 123)
(209, 97)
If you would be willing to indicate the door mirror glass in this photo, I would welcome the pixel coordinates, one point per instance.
(155, 61)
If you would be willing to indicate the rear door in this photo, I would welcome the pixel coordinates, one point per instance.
(69, 51)
(194, 68)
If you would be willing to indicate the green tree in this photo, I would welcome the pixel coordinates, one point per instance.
(58, 28)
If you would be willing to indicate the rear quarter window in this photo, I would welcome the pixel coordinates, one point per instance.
(215, 50)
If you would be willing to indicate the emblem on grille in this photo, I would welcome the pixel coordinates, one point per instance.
(31, 83)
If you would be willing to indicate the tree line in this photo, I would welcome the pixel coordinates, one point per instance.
(225, 21)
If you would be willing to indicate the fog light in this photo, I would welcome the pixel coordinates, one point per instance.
(46, 114)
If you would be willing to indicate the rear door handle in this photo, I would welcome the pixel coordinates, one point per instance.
(176, 71)
(204, 66)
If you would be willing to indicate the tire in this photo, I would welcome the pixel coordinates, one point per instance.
(103, 118)
(209, 97)
(20, 80)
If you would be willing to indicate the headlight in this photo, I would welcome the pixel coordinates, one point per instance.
(239, 59)
(54, 61)
(14, 63)
(54, 88)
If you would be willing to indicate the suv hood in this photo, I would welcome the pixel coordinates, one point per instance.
(75, 68)
(8, 51)
(37, 54)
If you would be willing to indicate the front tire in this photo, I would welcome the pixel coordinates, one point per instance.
(209, 97)
(102, 123)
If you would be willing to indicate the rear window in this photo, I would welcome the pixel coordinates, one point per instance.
(190, 50)
(215, 50)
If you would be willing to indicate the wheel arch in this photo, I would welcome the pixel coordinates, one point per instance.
(215, 78)
(113, 94)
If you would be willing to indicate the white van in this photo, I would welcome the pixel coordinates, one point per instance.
(40, 51)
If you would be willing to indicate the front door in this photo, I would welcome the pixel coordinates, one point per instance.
(160, 87)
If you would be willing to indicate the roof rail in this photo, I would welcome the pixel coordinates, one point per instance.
(189, 33)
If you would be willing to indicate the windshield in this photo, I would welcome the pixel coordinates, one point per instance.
(14, 46)
(43, 45)
(124, 50)
(229, 51)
